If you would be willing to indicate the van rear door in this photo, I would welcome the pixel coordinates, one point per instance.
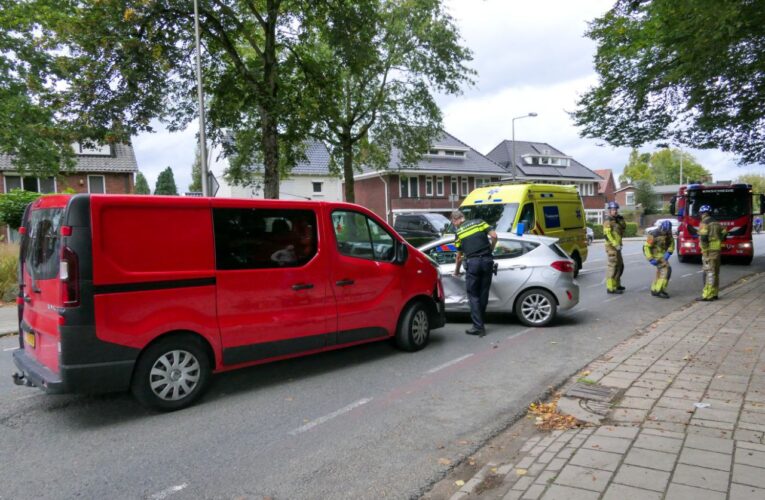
(40, 261)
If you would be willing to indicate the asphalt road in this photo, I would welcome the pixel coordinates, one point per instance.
(366, 422)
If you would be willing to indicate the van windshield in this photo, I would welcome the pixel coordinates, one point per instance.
(498, 216)
(41, 253)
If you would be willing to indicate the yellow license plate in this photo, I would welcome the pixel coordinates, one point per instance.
(29, 339)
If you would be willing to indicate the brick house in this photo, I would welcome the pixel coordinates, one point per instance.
(607, 186)
(625, 197)
(438, 183)
(101, 169)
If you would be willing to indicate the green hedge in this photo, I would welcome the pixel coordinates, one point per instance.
(597, 230)
(632, 229)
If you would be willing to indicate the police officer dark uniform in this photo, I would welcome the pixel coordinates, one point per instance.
(613, 229)
(658, 248)
(711, 236)
(475, 243)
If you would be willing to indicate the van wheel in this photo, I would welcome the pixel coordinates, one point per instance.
(577, 263)
(536, 307)
(171, 374)
(413, 331)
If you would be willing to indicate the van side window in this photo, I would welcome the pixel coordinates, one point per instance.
(250, 238)
(527, 217)
(359, 236)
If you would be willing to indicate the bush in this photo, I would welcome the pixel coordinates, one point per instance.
(9, 263)
(597, 230)
(12, 206)
(632, 230)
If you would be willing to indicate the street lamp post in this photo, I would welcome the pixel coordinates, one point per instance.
(201, 98)
(512, 122)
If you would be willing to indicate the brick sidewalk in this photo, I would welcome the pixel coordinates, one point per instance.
(658, 442)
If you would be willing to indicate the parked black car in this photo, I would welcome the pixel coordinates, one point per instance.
(420, 226)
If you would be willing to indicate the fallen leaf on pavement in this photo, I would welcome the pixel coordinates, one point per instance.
(459, 482)
(520, 472)
(444, 461)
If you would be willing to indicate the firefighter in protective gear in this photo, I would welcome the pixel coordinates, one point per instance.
(711, 237)
(613, 229)
(658, 248)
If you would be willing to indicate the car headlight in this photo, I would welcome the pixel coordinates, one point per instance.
(746, 244)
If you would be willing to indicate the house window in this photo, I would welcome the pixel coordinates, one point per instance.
(93, 150)
(433, 152)
(629, 199)
(409, 187)
(33, 184)
(96, 184)
(465, 186)
(455, 153)
(317, 187)
(428, 186)
(439, 186)
(455, 189)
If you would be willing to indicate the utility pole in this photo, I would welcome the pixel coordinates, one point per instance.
(201, 99)
(512, 123)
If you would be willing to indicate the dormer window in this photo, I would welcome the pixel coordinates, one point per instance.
(547, 160)
(447, 152)
(92, 149)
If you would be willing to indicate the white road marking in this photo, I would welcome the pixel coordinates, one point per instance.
(30, 396)
(686, 275)
(518, 334)
(699, 272)
(449, 363)
(593, 286)
(611, 299)
(10, 349)
(168, 491)
(313, 423)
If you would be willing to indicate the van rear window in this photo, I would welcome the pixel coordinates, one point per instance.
(41, 253)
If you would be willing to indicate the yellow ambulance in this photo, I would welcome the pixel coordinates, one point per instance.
(543, 209)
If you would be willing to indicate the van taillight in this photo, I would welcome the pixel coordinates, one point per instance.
(69, 275)
(563, 266)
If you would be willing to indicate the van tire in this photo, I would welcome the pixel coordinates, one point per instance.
(189, 372)
(577, 263)
(536, 307)
(413, 331)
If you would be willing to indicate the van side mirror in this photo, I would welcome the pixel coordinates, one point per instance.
(402, 253)
(672, 205)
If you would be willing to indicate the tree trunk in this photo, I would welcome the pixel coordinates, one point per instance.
(347, 147)
(269, 112)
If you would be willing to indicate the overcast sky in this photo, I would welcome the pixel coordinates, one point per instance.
(530, 57)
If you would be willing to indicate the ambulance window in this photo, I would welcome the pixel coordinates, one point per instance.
(552, 216)
(527, 217)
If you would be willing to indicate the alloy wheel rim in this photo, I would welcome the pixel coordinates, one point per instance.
(419, 327)
(536, 308)
(174, 375)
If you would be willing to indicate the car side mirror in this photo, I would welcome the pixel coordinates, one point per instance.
(672, 205)
(402, 253)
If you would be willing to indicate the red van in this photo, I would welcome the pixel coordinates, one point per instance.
(153, 294)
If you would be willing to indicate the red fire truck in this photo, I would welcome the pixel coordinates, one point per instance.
(731, 207)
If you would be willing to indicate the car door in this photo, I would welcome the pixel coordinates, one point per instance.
(514, 269)
(273, 294)
(364, 280)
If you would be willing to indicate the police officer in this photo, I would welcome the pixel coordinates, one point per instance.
(475, 243)
(711, 236)
(613, 229)
(658, 248)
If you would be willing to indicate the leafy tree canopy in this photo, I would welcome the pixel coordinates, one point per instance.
(196, 173)
(12, 206)
(166, 183)
(756, 180)
(645, 196)
(141, 186)
(662, 167)
(690, 71)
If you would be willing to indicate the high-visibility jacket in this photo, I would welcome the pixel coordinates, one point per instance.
(613, 230)
(711, 234)
(657, 243)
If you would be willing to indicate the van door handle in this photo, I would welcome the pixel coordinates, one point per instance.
(302, 286)
(344, 282)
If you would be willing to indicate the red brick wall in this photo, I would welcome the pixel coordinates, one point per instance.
(621, 197)
(114, 183)
(594, 202)
(370, 193)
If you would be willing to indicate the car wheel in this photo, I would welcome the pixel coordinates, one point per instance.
(171, 374)
(413, 331)
(536, 307)
(577, 263)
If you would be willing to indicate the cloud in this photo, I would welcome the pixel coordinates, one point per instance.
(155, 152)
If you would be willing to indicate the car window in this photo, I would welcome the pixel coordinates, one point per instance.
(510, 249)
(558, 250)
(443, 254)
(359, 236)
(248, 238)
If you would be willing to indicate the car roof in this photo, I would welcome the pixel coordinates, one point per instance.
(449, 238)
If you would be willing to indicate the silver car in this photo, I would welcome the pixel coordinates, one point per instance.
(534, 277)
